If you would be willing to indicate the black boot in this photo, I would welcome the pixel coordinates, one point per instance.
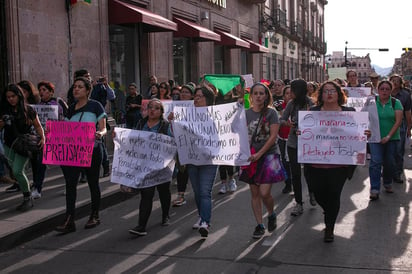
(329, 237)
(67, 227)
(26, 205)
(93, 220)
(106, 171)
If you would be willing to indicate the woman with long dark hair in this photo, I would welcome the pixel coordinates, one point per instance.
(153, 122)
(18, 118)
(84, 110)
(300, 101)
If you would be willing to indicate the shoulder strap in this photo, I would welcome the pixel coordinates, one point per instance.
(393, 102)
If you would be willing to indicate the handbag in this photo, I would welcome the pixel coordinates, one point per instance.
(248, 172)
(26, 144)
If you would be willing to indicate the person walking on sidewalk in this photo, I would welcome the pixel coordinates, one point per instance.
(84, 110)
(300, 101)
(154, 122)
(263, 127)
(182, 176)
(18, 118)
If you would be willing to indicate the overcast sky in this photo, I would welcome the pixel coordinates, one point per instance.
(369, 24)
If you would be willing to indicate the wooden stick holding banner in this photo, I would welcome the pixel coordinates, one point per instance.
(214, 135)
(69, 143)
(332, 137)
(141, 158)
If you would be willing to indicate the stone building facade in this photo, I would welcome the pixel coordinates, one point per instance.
(129, 40)
(360, 64)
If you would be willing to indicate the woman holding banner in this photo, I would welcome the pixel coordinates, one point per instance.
(153, 122)
(46, 90)
(263, 127)
(182, 177)
(17, 118)
(327, 180)
(84, 110)
(202, 177)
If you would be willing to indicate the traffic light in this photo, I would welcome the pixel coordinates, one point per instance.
(406, 49)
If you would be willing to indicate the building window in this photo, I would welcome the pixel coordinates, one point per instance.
(244, 62)
(219, 59)
(274, 68)
(181, 60)
(124, 54)
(280, 70)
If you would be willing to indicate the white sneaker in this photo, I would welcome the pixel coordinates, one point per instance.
(232, 185)
(297, 210)
(35, 194)
(204, 229)
(223, 189)
(197, 224)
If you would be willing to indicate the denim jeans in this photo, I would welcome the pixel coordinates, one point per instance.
(282, 147)
(400, 151)
(382, 157)
(72, 174)
(202, 179)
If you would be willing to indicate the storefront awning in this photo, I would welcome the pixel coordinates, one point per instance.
(256, 47)
(232, 41)
(123, 13)
(190, 29)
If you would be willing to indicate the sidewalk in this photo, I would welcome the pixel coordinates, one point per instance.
(49, 210)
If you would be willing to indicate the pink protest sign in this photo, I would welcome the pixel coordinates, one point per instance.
(69, 143)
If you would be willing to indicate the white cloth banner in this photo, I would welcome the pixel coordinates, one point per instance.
(358, 91)
(332, 137)
(356, 102)
(370, 107)
(357, 96)
(248, 80)
(141, 158)
(46, 112)
(169, 106)
(214, 135)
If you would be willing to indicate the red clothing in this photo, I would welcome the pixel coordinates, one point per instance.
(284, 129)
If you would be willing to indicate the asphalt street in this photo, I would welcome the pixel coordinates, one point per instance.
(370, 237)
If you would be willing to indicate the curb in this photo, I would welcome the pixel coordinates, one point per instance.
(48, 224)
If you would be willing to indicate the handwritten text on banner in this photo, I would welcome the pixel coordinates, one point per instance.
(141, 158)
(212, 135)
(332, 137)
(46, 112)
(69, 143)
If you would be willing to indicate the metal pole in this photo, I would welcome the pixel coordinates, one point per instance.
(346, 53)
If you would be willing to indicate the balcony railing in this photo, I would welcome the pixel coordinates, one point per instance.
(280, 18)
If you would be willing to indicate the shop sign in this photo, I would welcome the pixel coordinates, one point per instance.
(220, 3)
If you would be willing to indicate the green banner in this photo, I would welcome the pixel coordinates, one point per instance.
(223, 82)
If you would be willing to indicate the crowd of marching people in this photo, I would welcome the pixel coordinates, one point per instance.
(272, 117)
